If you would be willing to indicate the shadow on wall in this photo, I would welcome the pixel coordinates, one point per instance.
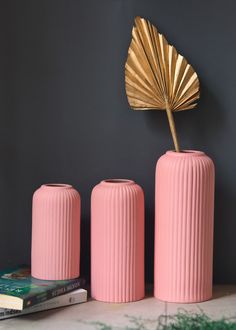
(209, 126)
(149, 244)
(85, 248)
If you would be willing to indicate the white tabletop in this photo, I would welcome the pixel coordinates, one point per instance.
(84, 316)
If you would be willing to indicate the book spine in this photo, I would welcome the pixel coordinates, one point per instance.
(65, 300)
(41, 297)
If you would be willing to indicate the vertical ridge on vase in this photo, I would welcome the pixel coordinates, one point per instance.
(184, 227)
(117, 259)
(56, 232)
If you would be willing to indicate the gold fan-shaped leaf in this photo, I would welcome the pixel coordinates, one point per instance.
(157, 76)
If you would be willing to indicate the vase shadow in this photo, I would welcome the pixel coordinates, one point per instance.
(220, 291)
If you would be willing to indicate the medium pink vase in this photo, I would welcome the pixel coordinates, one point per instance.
(117, 241)
(55, 232)
(184, 227)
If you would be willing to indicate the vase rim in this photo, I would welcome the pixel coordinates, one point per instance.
(117, 182)
(185, 153)
(56, 186)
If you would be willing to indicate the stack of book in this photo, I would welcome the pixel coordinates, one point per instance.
(22, 294)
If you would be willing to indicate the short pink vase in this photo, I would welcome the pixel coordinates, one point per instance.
(184, 227)
(117, 241)
(55, 232)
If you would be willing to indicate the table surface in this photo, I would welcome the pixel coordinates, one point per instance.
(119, 316)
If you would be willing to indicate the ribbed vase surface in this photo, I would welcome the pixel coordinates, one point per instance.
(184, 227)
(117, 241)
(55, 232)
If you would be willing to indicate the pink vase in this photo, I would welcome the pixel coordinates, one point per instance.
(184, 227)
(117, 241)
(55, 232)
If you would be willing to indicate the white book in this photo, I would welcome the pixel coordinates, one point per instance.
(71, 298)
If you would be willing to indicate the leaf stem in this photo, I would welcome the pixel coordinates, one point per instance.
(172, 127)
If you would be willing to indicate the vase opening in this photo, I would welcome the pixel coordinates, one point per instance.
(185, 153)
(117, 181)
(57, 185)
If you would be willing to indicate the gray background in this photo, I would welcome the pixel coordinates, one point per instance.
(64, 115)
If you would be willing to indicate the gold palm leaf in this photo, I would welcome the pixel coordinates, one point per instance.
(156, 76)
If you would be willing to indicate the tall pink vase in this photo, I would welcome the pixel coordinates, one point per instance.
(184, 227)
(55, 232)
(117, 241)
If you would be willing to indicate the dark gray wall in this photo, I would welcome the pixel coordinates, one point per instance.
(64, 115)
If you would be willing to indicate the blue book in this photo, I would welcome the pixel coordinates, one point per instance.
(19, 290)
